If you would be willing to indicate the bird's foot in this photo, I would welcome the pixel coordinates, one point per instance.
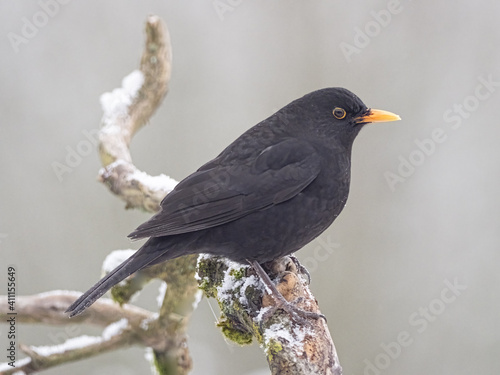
(279, 302)
(297, 314)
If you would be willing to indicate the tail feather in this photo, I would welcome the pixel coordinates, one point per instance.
(136, 262)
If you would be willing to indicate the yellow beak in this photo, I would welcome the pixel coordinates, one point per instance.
(378, 115)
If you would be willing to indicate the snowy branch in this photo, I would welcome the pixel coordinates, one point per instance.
(124, 326)
(49, 307)
(126, 110)
(43, 357)
(291, 347)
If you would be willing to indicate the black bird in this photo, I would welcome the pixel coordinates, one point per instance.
(269, 193)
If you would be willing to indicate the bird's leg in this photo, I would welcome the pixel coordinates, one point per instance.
(281, 303)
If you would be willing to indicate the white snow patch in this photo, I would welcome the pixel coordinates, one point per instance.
(112, 166)
(201, 257)
(114, 329)
(156, 183)
(5, 366)
(148, 354)
(55, 293)
(197, 298)
(161, 293)
(115, 104)
(111, 129)
(71, 344)
(252, 280)
(115, 258)
(145, 322)
(230, 284)
(277, 331)
(262, 311)
(293, 335)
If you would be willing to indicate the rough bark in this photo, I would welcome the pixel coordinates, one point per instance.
(291, 347)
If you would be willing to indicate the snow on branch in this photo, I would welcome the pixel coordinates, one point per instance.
(49, 308)
(291, 347)
(126, 110)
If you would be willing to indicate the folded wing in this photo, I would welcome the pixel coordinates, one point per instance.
(221, 192)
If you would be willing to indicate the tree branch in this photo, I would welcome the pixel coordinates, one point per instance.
(291, 347)
(42, 358)
(126, 110)
(48, 308)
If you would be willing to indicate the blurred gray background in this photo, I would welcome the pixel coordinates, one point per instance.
(414, 256)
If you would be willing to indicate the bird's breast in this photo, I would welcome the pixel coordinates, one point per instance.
(286, 227)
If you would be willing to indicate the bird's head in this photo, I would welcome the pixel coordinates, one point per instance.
(332, 114)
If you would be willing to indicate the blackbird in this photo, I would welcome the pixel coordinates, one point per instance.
(269, 193)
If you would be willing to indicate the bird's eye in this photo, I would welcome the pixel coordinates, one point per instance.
(339, 113)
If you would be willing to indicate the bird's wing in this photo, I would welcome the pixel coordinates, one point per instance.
(217, 194)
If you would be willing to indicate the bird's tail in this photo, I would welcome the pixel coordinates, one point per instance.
(139, 260)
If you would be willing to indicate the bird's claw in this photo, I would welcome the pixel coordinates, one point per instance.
(296, 313)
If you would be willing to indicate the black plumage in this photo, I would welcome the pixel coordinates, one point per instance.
(269, 193)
